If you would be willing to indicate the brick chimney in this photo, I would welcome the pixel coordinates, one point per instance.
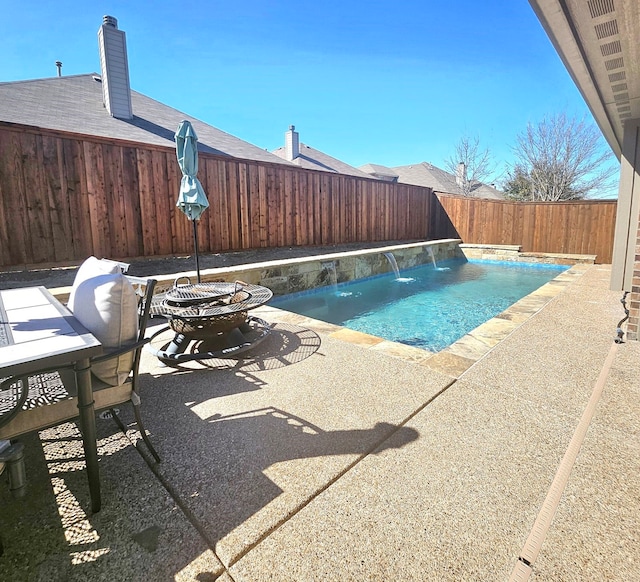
(291, 144)
(116, 91)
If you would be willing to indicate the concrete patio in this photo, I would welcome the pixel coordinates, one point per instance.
(326, 455)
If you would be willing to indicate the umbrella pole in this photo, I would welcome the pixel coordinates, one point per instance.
(195, 242)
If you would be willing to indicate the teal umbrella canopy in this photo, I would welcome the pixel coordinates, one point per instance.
(191, 200)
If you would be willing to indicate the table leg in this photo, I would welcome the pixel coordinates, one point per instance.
(88, 428)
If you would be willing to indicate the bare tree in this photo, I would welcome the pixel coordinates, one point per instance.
(471, 165)
(560, 158)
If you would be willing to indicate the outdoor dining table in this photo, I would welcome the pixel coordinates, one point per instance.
(209, 320)
(38, 333)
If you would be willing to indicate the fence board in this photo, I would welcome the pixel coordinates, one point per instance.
(373, 205)
(305, 204)
(263, 211)
(160, 195)
(324, 209)
(234, 206)
(215, 220)
(361, 219)
(113, 187)
(57, 202)
(226, 206)
(98, 209)
(179, 222)
(147, 205)
(578, 228)
(281, 220)
(509, 217)
(39, 219)
(14, 241)
(256, 203)
(315, 226)
(75, 185)
(271, 217)
(243, 207)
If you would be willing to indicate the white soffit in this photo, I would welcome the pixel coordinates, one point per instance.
(597, 41)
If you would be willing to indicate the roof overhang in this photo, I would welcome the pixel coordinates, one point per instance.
(598, 42)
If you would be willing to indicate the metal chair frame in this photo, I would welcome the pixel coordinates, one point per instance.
(29, 416)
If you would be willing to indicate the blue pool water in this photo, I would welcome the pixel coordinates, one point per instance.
(427, 307)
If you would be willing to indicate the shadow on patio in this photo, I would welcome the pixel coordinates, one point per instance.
(317, 459)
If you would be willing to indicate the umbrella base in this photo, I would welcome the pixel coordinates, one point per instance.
(206, 344)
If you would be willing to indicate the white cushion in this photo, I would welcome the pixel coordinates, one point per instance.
(107, 306)
(90, 268)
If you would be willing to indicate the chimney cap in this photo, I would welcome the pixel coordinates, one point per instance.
(110, 21)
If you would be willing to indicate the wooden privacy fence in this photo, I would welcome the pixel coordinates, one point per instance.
(65, 196)
(580, 227)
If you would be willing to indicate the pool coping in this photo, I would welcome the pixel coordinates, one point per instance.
(457, 358)
(454, 360)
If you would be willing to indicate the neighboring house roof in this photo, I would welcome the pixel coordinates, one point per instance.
(313, 159)
(426, 174)
(379, 171)
(75, 104)
(487, 191)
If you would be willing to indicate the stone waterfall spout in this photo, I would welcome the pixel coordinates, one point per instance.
(433, 260)
(394, 265)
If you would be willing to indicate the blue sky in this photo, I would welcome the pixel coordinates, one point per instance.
(391, 83)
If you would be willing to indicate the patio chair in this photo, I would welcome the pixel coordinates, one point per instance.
(51, 398)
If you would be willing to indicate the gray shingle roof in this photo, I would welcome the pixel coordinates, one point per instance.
(378, 170)
(487, 191)
(313, 159)
(74, 104)
(426, 174)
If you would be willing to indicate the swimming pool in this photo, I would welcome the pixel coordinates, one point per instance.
(427, 307)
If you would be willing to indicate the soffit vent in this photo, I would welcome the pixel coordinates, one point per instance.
(614, 64)
(606, 29)
(600, 7)
(611, 48)
(620, 76)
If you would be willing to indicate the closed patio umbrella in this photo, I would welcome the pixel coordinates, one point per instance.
(191, 200)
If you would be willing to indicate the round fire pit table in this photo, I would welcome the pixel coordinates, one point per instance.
(210, 320)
